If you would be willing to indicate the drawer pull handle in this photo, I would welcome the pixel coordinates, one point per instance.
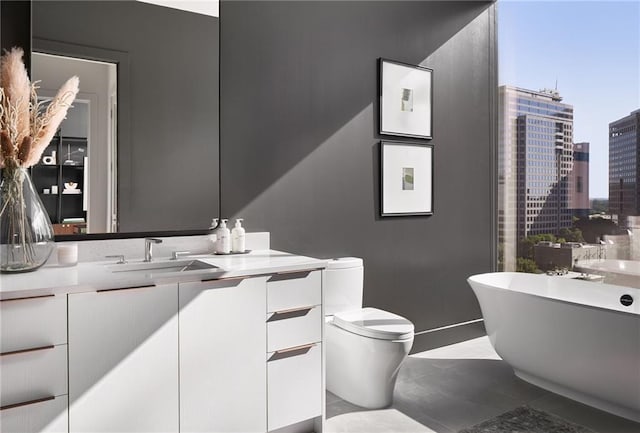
(34, 349)
(290, 313)
(292, 351)
(26, 403)
(147, 286)
(305, 271)
(27, 297)
(290, 275)
(223, 280)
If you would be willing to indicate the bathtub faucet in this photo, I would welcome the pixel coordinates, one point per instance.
(558, 271)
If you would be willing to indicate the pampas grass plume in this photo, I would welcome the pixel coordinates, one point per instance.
(25, 149)
(26, 128)
(8, 150)
(17, 87)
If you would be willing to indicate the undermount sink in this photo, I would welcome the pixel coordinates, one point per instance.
(162, 267)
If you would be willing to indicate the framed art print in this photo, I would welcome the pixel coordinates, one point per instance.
(406, 179)
(406, 100)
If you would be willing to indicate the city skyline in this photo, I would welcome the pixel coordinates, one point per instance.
(590, 50)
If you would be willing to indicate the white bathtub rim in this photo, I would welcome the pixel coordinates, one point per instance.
(577, 304)
(572, 394)
(616, 307)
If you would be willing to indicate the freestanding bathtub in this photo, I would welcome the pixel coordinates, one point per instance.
(618, 272)
(571, 337)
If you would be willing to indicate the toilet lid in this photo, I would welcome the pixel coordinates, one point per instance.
(374, 323)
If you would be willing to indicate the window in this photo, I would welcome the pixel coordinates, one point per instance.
(552, 162)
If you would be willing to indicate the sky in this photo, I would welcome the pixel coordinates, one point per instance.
(591, 49)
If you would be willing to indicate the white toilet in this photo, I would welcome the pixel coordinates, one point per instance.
(364, 346)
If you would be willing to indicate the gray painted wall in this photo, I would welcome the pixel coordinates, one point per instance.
(299, 153)
(168, 160)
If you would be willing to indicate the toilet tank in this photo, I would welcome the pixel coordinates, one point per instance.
(343, 281)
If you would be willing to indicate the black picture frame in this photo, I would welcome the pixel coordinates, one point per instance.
(400, 119)
(393, 173)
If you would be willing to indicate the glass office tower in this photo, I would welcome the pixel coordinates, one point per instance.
(535, 167)
(624, 166)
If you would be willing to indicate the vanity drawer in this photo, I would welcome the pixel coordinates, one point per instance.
(296, 327)
(292, 290)
(32, 322)
(294, 386)
(30, 375)
(48, 415)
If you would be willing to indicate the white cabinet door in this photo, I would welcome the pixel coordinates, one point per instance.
(123, 360)
(222, 356)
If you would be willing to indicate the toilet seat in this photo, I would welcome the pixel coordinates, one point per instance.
(374, 323)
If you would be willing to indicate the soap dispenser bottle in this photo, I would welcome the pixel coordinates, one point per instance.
(213, 235)
(238, 237)
(223, 243)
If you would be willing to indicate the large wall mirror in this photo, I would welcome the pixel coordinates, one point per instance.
(139, 152)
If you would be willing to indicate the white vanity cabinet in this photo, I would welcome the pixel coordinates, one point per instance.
(222, 357)
(33, 365)
(123, 360)
(242, 353)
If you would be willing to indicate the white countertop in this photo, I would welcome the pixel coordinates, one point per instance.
(91, 276)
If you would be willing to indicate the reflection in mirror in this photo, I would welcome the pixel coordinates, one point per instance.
(162, 144)
(76, 174)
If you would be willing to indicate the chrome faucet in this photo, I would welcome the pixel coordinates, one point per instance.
(148, 245)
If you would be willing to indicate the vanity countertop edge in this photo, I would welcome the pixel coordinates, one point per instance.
(93, 276)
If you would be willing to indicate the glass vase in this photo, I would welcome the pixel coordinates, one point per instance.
(26, 234)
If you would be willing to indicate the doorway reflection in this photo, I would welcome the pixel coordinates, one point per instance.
(76, 176)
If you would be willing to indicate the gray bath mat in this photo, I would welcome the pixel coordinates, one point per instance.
(526, 420)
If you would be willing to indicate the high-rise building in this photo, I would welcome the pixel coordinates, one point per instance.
(624, 166)
(534, 166)
(579, 181)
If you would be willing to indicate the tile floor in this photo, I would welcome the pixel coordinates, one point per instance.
(453, 387)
